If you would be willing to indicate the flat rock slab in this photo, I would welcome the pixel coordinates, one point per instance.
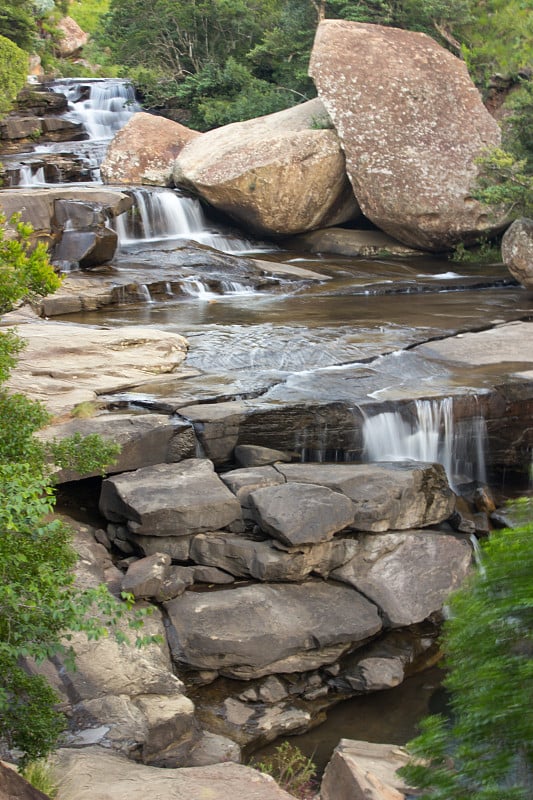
(96, 774)
(347, 242)
(408, 575)
(300, 513)
(364, 769)
(509, 343)
(64, 364)
(260, 625)
(170, 499)
(385, 496)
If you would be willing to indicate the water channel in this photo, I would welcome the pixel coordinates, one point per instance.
(348, 337)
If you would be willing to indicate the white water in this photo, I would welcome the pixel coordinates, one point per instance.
(29, 178)
(433, 436)
(164, 214)
(105, 110)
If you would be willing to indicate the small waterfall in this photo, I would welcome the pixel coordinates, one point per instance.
(165, 214)
(29, 178)
(433, 436)
(103, 106)
(144, 293)
(194, 287)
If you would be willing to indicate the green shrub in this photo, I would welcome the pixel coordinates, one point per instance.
(13, 72)
(291, 769)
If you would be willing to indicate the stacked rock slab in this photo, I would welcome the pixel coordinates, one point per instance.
(412, 125)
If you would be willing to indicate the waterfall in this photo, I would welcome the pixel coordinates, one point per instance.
(29, 178)
(165, 214)
(432, 436)
(103, 106)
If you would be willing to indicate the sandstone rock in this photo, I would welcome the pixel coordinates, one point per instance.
(255, 170)
(171, 729)
(251, 455)
(177, 547)
(170, 499)
(211, 575)
(144, 439)
(65, 364)
(72, 37)
(97, 773)
(41, 102)
(250, 625)
(248, 724)
(386, 496)
(517, 251)
(412, 124)
(20, 127)
(364, 771)
(347, 242)
(14, 787)
(299, 513)
(85, 249)
(213, 749)
(408, 575)
(244, 481)
(144, 151)
(264, 561)
(145, 576)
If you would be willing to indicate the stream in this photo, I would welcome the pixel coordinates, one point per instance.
(349, 337)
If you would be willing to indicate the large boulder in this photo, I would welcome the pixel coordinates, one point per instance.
(267, 628)
(385, 496)
(257, 170)
(517, 251)
(360, 770)
(170, 499)
(72, 37)
(412, 125)
(144, 151)
(408, 575)
(97, 774)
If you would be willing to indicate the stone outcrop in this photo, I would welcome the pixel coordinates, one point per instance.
(412, 124)
(170, 500)
(385, 496)
(85, 238)
(96, 773)
(408, 575)
(348, 242)
(360, 770)
(255, 170)
(517, 251)
(64, 365)
(250, 627)
(144, 151)
(72, 37)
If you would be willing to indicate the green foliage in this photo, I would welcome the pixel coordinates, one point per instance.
(504, 182)
(483, 253)
(291, 769)
(486, 751)
(13, 71)
(41, 777)
(17, 22)
(25, 273)
(85, 454)
(87, 13)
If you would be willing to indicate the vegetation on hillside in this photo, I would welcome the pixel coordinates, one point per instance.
(485, 751)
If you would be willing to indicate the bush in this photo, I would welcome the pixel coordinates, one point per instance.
(291, 769)
(13, 72)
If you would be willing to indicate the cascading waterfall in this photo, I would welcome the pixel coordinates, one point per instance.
(165, 214)
(103, 106)
(433, 436)
(29, 178)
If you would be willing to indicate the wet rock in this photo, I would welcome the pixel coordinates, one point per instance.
(517, 251)
(58, 129)
(86, 249)
(385, 496)
(95, 772)
(353, 243)
(411, 135)
(264, 561)
(41, 102)
(250, 455)
(408, 575)
(144, 151)
(72, 37)
(364, 769)
(20, 127)
(255, 170)
(170, 499)
(250, 625)
(299, 513)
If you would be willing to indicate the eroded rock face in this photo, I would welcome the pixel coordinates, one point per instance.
(264, 626)
(258, 169)
(144, 151)
(517, 251)
(411, 124)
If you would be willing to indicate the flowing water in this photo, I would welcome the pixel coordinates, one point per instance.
(346, 336)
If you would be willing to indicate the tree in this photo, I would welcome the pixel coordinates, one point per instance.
(486, 751)
(39, 603)
(13, 72)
